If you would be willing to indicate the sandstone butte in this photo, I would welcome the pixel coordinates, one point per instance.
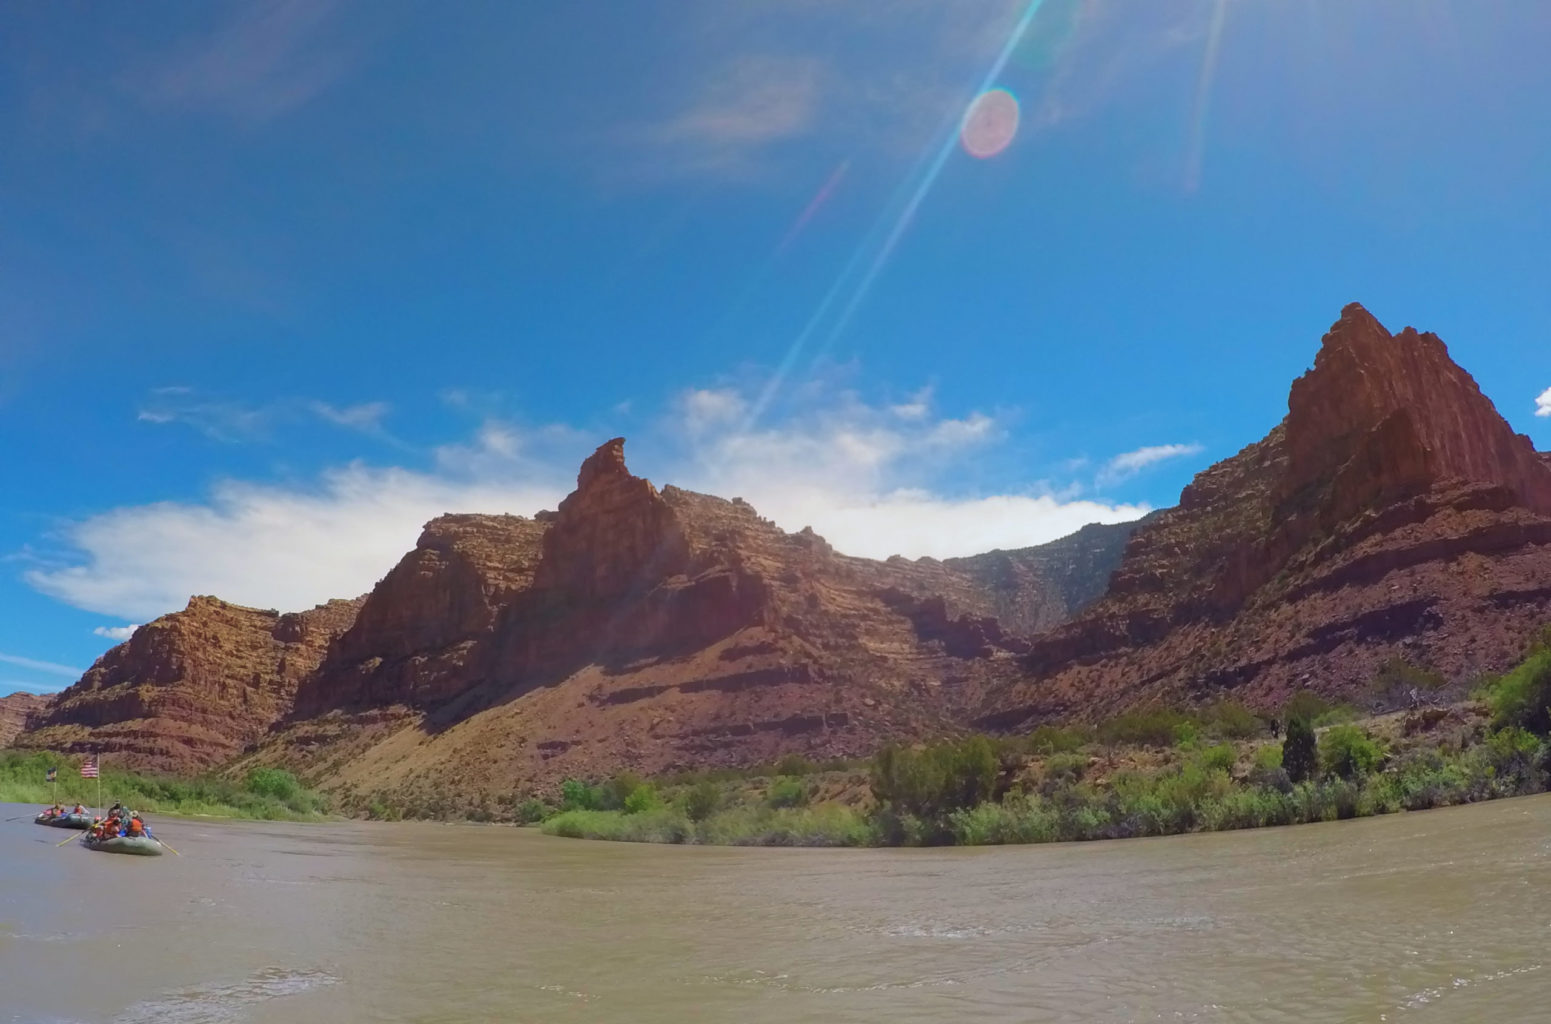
(190, 690)
(14, 711)
(630, 628)
(1392, 513)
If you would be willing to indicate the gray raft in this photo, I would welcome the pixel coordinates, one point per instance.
(81, 821)
(143, 846)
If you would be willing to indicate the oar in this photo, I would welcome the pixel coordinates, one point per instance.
(168, 847)
(70, 840)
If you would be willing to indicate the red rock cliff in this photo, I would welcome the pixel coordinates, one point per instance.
(191, 689)
(669, 629)
(14, 711)
(1392, 514)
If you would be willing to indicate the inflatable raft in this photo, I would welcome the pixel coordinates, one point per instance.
(143, 846)
(81, 821)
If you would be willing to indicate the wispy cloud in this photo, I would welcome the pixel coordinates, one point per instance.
(1128, 464)
(872, 479)
(270, 58)
(52, 668)
(745, 106)
(366, 416)
(116, 632)
(234, 420)
(1543, 403)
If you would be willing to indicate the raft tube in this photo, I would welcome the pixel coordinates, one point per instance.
(143, 846)
(81, 821)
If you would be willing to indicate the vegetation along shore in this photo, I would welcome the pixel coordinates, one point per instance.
(265, 793)
(1146, 773)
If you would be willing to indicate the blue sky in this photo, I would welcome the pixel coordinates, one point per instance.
(281, 281)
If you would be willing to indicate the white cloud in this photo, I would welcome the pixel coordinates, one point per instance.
(116, 632)
(233, 420)
(367, 416)
(50, 667)
(1543, 403)
(871, 481)
(269, 546)
(1128, 464)
(706, 408)
(868, 480)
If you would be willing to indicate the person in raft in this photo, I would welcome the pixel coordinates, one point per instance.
(54, 812)
(79, 809)
(135, 829)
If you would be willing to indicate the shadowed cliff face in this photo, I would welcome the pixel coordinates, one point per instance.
(1392, 513)
(668, 629)
(14, 711)
(192, 689)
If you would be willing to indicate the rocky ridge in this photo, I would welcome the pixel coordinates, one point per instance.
(1392, 514)
(656, 630)
(192, 689)
(14, 711)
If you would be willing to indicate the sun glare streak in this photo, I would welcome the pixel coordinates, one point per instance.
(819, 199)
(934, 170)
(924, 174)
(1202, 103)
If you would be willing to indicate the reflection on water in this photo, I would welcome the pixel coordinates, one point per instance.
(1418, 918)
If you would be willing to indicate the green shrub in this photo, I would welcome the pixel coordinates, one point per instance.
(1231, 720)
(576, 795)
(931, 783)
(273, 782)
(1053, 739)
(662, 825)
(1349, 753)
(701, 800)
(787, 792)
(530, 811)
(1299, 752)
(617, 790)
(1522, 696)
(1217, 759)
(795, 765)
(1154, 727)
(641, 799)
(1065, 767)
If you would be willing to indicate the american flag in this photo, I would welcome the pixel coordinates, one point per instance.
(89, 767)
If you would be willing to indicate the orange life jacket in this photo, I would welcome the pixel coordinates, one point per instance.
(136, 827)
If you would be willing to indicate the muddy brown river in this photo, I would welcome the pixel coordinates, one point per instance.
(1443, 916)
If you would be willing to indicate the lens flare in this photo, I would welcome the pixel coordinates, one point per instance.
(989, 124)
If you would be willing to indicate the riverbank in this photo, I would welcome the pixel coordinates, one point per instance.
(266, 794)
(1149, 773)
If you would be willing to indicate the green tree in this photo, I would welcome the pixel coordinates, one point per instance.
(1299, 752)
(701, 800)
(1349, 753)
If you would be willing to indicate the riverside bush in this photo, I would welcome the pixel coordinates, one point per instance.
(1054, 739)
(931, 783)
(1299, 752)
(1521, 697)
(1349, 753)
(22, 781)
(701, 800)
(786, 791)
(662, 825)
(1153, 727)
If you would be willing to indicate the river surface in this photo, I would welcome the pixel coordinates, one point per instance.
(1442, 916)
